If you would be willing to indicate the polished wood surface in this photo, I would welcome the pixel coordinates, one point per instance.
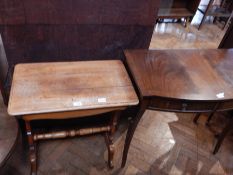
(180, 81)
(183, 74)
(8, 134)
(68, 86)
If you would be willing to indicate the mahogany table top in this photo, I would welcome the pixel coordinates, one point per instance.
(67, 86)
(183, 74)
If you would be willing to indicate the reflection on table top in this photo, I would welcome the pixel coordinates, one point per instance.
(183, 74)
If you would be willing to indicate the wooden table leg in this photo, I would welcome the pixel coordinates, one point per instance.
(197, 116)
(111, 149)
(205, 13)
(109, 137)
(222, 135)
(131, 129)
(209, 118)
(32, 148)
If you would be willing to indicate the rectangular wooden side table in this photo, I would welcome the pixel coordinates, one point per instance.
(65, 90)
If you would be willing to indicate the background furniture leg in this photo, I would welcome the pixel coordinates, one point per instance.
(209, 118)
(186, 21)
(197, 116)
(215, 19)
(205, 13)
(202, 20)
(222, 135)
(32, 148)
(228, 21)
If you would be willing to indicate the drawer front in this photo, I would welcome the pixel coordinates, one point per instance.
(181, 105)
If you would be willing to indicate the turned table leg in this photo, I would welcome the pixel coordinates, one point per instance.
(131, 129)
(109, 137)
(32, 148)
(111, 149)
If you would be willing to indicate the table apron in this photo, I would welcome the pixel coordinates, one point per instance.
(172, 105)
(71, 114)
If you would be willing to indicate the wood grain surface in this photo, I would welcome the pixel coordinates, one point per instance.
(67, 86)
(183, 74)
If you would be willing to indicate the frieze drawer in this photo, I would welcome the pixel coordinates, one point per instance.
(181, 105)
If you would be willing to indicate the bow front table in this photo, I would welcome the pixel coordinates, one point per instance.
(180, 81)
(66, 90)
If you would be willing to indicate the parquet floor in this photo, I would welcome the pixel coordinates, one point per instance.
(175, 36)
(164, 143)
